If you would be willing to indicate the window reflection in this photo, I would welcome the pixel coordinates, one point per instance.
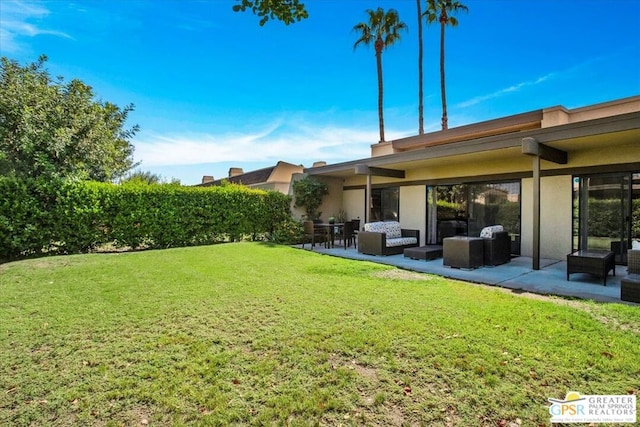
(465, 209)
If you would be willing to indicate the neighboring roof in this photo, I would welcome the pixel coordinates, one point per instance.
(250, 178)
(259, 176)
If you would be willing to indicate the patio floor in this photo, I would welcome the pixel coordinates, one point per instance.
(517, 275)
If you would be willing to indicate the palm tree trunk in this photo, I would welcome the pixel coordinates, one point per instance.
(420, 94)
(442, 87)
(379, 45)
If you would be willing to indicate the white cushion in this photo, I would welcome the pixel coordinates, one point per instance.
(488, 231)
(391, 228)
(401, 241)
(635, 244)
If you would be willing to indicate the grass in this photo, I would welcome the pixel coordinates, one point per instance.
(256, 334)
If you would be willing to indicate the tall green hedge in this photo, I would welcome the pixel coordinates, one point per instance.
(605, 219)
(58, 216)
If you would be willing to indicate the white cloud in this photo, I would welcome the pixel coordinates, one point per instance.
(296, 142)
(14, 24)
(505, 91)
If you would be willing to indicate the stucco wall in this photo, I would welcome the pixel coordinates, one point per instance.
(413, 209)
(354, 205)
(555, 217)
(559, 115)
(331, 203)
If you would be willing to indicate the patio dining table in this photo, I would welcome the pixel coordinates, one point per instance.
(330, 229)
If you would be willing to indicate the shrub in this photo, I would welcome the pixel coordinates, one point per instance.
(40, 216)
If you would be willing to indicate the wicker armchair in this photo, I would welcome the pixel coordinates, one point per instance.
(633, 261)
(497, 249)
(313, 235)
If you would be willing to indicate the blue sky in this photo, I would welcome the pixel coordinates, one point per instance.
(212, 89)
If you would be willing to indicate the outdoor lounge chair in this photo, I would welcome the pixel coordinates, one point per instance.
(497, 245)
(497, 249)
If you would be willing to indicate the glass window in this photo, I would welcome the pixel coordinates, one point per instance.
(451, 211)
(606, 212)
(385, 204)
(494, 204)
(465, 209)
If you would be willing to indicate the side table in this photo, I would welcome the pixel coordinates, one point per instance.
(463, 252)
(630, 288)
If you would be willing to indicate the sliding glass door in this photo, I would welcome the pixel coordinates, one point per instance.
(606, 212)
(385, 203)
(465, 209)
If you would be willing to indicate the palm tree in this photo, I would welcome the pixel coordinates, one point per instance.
(420, 95)
(383, 29)
(441, 10)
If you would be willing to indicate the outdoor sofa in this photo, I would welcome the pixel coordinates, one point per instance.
(386, 238)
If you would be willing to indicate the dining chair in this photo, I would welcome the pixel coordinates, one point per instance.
(346, 234)
(313, 234)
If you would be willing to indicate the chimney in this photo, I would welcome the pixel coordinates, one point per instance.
(319, 164)
(235, 172)
(207, 178)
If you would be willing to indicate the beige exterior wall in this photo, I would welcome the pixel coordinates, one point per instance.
(332, 202)
(381, 149)
(282, 187)
(354, 205)
(413, 209)
(555, 217)
(283, 171)
(471, 168)
(601, 155)
(559, 115)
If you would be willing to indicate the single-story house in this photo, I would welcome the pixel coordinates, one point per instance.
(275, 178)
(557, 179)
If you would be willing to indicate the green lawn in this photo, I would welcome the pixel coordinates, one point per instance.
(249, 333)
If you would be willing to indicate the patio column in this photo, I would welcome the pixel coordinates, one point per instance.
(532, 147)
(368, 201)
(536, 213)
(369, 171)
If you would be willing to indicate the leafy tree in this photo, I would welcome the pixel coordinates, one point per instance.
(441, 11)
(308, 193)
(142, 177)
(287, 11)
(383, 30)
(52, 128)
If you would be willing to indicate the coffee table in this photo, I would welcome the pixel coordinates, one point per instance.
(428, 252)
(598, 263)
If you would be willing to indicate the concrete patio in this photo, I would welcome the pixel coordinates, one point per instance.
(517, 275)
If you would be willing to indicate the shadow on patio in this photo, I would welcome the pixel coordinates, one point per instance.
(517, 275)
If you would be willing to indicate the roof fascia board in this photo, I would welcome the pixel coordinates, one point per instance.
(500, 126)
(611, 124)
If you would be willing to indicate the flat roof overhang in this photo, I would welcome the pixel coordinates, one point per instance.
(608, 132)
(501, 126)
